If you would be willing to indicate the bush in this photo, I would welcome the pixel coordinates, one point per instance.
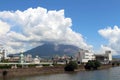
(115, 63)
(19, 66)
(89, 65)
(32, 65)
(46, 65)
(71, 66)
(5, 66)
(96, 64)
(118, 64)
(57, 65)
(92, 65)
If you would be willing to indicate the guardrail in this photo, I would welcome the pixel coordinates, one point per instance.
(28, 63)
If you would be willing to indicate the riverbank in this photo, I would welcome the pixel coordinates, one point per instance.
(40, 71)
(105, 74)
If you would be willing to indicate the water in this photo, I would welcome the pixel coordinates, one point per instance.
(107, 74)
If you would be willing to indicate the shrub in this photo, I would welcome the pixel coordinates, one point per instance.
(32, 65)
(89, 65)
(71, 66)
(92, 65)
(46, 65)
(19, 66)
(5, 66)
(58, 65)
(118, 64)
(96, 64)
(113, 64)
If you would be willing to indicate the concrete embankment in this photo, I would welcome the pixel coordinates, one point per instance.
(39, 71)
(31, 71)
(107, 66)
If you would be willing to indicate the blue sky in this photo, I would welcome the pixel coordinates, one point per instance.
(88, 16)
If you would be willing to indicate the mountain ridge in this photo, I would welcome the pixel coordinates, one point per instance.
(52, 49)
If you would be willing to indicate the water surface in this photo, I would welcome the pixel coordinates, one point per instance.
(107, 74)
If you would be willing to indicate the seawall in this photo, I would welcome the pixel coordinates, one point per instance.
(40, 71)
(31, 71)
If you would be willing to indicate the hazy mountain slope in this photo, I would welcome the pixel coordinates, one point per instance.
(51, 50)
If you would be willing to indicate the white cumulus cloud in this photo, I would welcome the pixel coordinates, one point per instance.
(113, 37)
(4, 28)
(30, 28)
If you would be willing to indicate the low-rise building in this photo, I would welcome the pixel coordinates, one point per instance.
(104, 58)
(28, 58)
(36, 60)
(13, 58)
(84, 56)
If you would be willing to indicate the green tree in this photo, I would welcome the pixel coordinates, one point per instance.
(92, 65)
(96, 64)
(71, 66)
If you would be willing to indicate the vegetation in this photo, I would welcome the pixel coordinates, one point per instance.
(5, 66)
(46, 65)
(92, 65)
(4, 60)
(115, 63)
(32, 65)
(58, 65)
(71, 66)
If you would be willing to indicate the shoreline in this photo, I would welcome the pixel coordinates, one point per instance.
(21, 72)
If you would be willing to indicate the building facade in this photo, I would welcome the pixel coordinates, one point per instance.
(104, 58)
(84, 56)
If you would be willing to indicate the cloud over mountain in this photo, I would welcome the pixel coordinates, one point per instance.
(23, 30)
(113, 37)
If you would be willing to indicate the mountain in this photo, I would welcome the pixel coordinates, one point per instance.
(116, 56)
(50, 50)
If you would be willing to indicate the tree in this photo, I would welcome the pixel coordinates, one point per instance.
(92, 65)
(71, 66)
(96, 64)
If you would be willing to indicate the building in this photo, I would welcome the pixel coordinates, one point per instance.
(14, 58)
(109, 55)
(104, 58)
(28, 58)
(61, 59)
(3, 54)
(84, 56)
(36, 60)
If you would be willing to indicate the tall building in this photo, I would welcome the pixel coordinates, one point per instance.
(109, 55)
(3, 54)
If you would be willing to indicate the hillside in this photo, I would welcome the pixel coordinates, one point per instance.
(48, 50)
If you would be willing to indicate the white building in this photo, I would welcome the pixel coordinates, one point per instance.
(109, 55)
(84, 56)
(3, 53)
(36, 60)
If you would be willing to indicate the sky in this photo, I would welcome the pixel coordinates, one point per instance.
(88, 24)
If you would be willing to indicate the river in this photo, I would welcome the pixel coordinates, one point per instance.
(106, 74)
